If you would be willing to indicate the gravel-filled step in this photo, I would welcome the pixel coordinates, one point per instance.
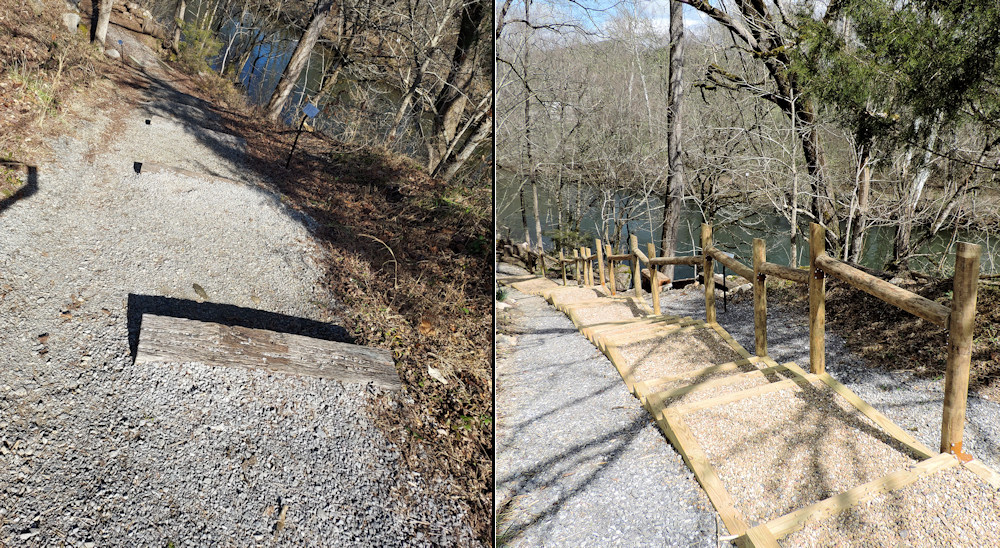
(781, 451)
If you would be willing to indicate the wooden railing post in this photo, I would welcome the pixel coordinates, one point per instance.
(759, 298)
(961, 323)
(583, 267)
(636, 268)
(654, 278)
(708, 272)
(576, 266)
(817, 301)
(612, 279)
(590, 268)
(600, 260)
(561, 259)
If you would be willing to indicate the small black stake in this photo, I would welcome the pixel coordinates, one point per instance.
(297, 134)
(310, 111)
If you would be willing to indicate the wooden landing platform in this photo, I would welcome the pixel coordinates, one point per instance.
(169, 339)
(714, 415)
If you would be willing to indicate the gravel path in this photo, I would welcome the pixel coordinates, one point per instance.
(579, 462)
(97, 451)
(913, 403)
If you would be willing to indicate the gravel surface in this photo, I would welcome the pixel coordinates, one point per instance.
(97, 451)
(676, 353)
(915, 404)
(610, 311)
(785, 450)
(949, 508)
(579, 462)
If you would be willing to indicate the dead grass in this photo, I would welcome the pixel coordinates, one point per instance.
(890, 338)
(410, 267)
(43, 68)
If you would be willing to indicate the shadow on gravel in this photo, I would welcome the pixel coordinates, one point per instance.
(574, 470)
(225, 314)
(25, 191)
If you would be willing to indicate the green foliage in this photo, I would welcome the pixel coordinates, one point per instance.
(902, 61)
(502, 294)
(197, 47)
(569, 238)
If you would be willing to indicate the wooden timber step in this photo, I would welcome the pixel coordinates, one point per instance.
(510, 280)
(567, 294)
(169, 339)
(592, 330)
(648, 332)
(533, 285)
(681, 402)
(613, 329)
(604, 311)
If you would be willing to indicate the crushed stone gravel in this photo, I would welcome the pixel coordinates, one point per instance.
(579, 461)
(785, 450)
(97, 450)
(914, 403)
(949, 508)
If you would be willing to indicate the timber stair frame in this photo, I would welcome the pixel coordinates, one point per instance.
(650, 323)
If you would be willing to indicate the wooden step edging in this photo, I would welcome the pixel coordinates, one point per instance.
(692, 453)
(789, 523)
(621, 337)
(730, 366)
(597, 329)
(610, 336)
(705, 385)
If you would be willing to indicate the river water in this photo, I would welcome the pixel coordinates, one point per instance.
(735, 237)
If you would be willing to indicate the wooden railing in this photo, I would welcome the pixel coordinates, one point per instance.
(959, 319)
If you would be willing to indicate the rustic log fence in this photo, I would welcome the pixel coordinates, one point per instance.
(959, 319)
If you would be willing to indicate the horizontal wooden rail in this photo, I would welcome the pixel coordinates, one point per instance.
(785, 273)
(690, 260)
(909, 301)
(619, 257)
(731, 263)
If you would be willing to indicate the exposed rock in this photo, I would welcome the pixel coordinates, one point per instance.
(71, 21)
(113, 54)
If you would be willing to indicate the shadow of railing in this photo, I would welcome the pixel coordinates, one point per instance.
(225, 314)
(29, 188)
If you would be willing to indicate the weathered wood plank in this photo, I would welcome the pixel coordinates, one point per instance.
(168, 339)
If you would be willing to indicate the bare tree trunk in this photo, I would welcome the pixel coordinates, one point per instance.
(451, 100)
(861, 221)
(524, 218)
(103, 18)
(175, 44)
(675, 164)
(299, 58)
(902, 248)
